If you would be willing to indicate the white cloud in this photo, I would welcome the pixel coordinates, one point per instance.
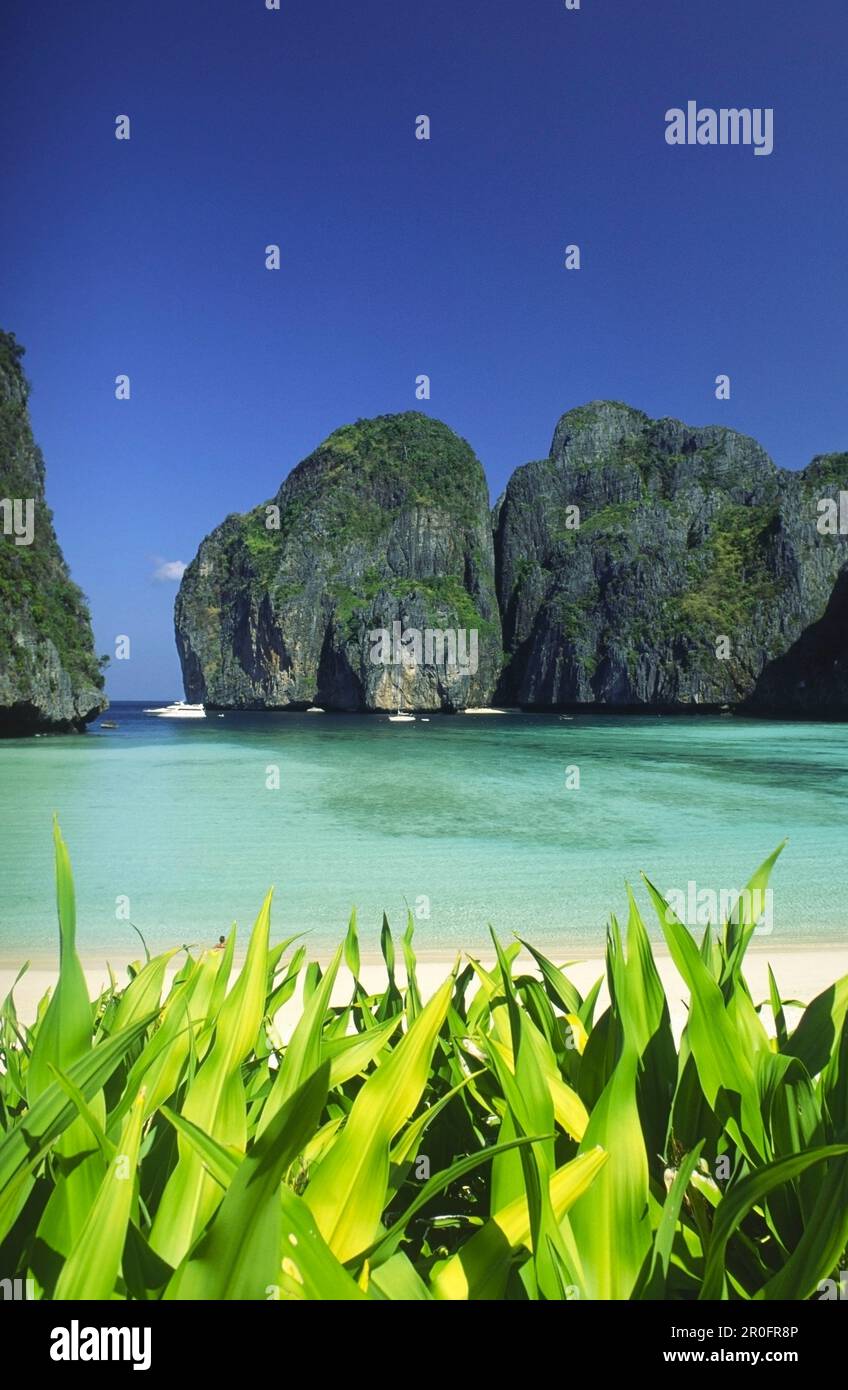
(168, 571)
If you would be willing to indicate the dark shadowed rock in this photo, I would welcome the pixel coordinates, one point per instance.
(50, 679)
(386, 522)
(810, 680)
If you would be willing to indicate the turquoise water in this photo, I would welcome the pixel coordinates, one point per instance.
(469, 818)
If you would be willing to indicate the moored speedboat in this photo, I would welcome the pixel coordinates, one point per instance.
(179, 710)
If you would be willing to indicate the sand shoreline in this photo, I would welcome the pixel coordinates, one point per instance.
(802, 972)
(121, 955)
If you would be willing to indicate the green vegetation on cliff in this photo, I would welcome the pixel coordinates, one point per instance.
(729, 576)
(415, 456)
(827, 470)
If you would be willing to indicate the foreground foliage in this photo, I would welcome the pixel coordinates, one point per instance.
(504, 1139)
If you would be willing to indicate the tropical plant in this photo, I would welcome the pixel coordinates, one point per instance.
(503, 1139)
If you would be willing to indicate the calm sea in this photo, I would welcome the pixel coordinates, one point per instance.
(468, 820)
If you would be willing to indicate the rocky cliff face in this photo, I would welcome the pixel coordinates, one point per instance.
(49, 676)
(385, 528)
(647, 563)
(644, 563)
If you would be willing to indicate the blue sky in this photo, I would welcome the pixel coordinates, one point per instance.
(399, 256)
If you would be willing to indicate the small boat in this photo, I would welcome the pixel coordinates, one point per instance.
(179, 710)
(108, 724)
(483, 709)
(401, 717)
(315, 709)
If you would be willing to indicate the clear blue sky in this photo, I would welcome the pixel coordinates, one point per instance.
(399, 256)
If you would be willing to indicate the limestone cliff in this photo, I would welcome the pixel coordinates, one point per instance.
(643, 564)
(647, 563)
(386, 523)
(50, 679)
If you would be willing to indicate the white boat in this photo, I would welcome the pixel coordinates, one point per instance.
(178, 710)
(401, 717)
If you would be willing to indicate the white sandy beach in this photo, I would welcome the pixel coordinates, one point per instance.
(801, 972)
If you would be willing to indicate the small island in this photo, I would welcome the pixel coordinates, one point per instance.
(644, 565)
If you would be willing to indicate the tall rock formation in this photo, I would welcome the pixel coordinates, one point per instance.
(646, 563)
(50, 679)
(386, 523)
